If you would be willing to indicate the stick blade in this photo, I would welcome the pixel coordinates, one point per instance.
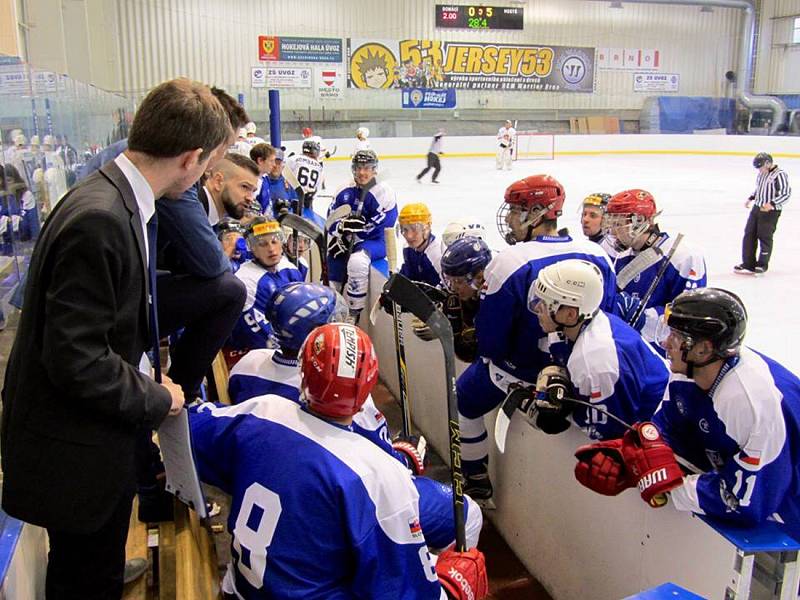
(503, 422)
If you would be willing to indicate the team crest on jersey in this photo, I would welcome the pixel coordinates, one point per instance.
(649, 432)
(415, 528)
(703, 425)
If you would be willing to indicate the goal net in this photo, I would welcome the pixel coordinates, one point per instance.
(531, 145)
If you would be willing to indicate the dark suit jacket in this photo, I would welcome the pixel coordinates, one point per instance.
(74, 398)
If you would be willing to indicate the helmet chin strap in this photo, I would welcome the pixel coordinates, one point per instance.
(691, 364)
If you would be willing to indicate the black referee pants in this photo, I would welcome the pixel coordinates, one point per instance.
(433, 163)
(758, 231)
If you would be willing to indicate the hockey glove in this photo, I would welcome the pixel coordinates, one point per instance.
(601, 467)
(421, 330)
(650, 463)
(627, 306)
(463, 574)
(281, 207)
(337, 247)
(549, 410)
(413, 451)
(352, 224)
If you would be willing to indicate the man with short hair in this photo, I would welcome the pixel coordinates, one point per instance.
(78, 391)
(769, 198)
(230, 188)
(265, 157)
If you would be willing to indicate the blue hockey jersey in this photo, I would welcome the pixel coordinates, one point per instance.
(615, 369)
(252, 329)
(509, 335)
(745, 432)
(686, 271)
(317, 511)
(379, 210)
(425, 266)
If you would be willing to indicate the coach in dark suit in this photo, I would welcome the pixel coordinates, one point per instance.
(75, 391)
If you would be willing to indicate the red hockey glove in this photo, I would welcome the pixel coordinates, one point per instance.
(414, 449)
(650, 463)
(601, 467)
(463, 574)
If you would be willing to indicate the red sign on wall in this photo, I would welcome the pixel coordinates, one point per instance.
(268, 47)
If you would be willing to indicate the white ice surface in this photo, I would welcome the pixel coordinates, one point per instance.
(700, 196)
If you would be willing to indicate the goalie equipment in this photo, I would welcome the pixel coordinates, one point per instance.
(463, 227)
(463, 574)
(338, 369)
(572, 282)
(414, 451)
(298, 308)
(538, 197)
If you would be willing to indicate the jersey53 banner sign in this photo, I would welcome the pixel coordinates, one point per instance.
(385, 64)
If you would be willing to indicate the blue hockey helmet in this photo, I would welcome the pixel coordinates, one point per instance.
(466, 256)
(298, 308)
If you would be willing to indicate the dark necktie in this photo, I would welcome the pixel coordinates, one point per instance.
(152, 238)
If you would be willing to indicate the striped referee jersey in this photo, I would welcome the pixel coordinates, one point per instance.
(772, 187)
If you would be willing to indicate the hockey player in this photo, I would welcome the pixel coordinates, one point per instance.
(434, 152)
(231, 236)
(308, 134)
(465, 226)
(729, 410)
(423, 254)
(508, 351)
(373, 209)
(297, 309)
(307, 169)
(268, 271)
(241, 145)
(297, 256)
(597, 357)
(506, 138)
(630, 224)
(362, 143)
(297, 469)
(594, 207)
(251, 137)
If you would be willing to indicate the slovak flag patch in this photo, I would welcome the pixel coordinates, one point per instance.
(596, 394)
(750, 458)
(415, 528)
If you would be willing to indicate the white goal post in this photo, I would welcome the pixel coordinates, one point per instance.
(533, 145)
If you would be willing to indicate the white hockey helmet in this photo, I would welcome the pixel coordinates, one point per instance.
(363, 132)
(570, 282)
(250, 127)
(242, 133)
(49, 140)
(35, 141)
(462, 227)
(20, 139)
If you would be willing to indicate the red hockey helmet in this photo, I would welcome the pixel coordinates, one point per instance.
(307, 132)
(632, 202)
(338, 369)
(538, 197)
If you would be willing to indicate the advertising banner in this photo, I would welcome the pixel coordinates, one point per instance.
(386, 64)
(656, 82)
(288, 77)
(629, 59)
(258, 77)
(329, 82)
(424, 98)
(299, 49)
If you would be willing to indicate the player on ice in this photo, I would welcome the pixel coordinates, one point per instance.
(507, 332)
(506, 138)
(306, 487)
(729, 410)
(630, 224)
(596, 356)
(362, 143)
(307, 170)
(358, 239)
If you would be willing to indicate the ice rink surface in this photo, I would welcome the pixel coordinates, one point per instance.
(700, 196)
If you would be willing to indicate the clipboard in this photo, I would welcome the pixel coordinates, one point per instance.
(175, 441)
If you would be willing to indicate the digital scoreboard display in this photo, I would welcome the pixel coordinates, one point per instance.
(473, 16)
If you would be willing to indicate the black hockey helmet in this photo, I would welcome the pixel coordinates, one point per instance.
(364, 158)
(710, 314)
(229, 225)
(311, 147)
(761, 158)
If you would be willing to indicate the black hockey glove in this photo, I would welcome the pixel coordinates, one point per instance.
(352, 224)
(281, 207)
(337, 247)
(550, 408)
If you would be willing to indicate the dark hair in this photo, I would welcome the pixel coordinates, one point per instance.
(262, 151)
(236, 113)
(241, 161)
(178, 116)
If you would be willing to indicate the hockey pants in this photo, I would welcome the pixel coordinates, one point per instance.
(357, 271)
(503, 158)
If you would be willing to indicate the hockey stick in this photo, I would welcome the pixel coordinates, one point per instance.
(650, 290)
(399, 339)
(315, 234)
(337, 214)
(402, 291)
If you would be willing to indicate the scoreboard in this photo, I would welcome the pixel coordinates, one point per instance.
(473, 16)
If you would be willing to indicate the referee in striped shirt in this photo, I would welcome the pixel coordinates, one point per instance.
(771, 195)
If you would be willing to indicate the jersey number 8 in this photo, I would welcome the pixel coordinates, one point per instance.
(250, 544)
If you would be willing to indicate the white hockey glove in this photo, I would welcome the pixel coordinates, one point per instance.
(421, 330)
